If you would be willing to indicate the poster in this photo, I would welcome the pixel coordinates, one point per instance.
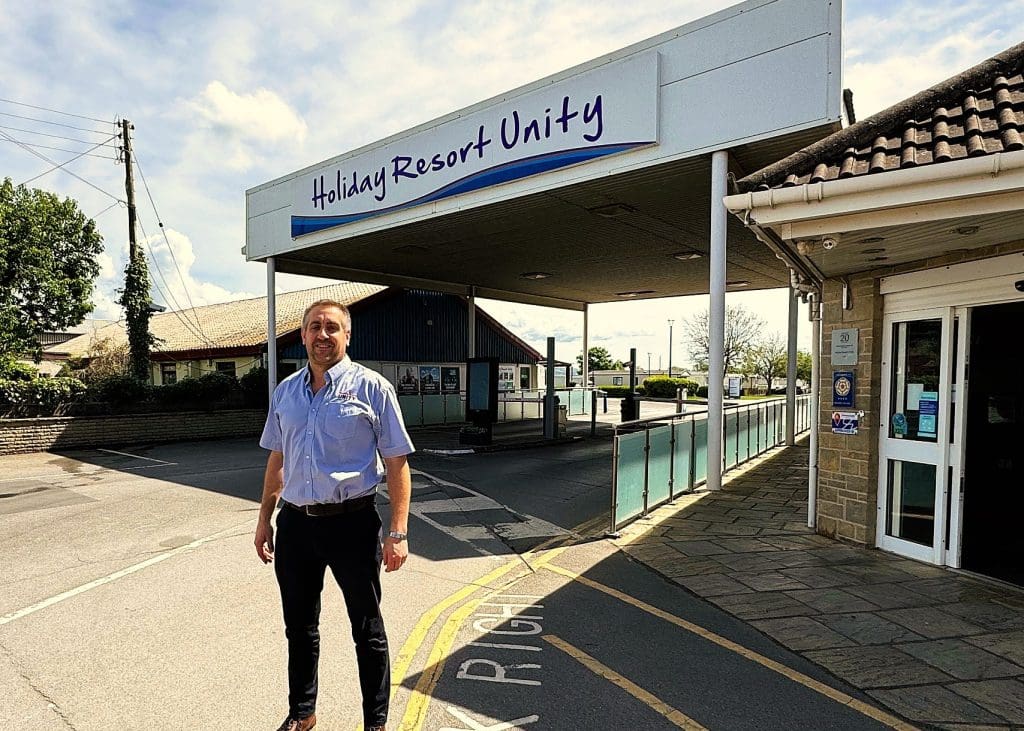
(845, 422)
(929, 413)
(450, 380)
(430, 380)
(506, 378)
(408, 384)
(734, 386)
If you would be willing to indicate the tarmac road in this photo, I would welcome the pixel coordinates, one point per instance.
(131, 597)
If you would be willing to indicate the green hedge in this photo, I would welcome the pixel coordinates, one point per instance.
(620, 391)
(665, 387)
(39, 396)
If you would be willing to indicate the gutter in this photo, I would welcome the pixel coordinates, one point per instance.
(999, 173)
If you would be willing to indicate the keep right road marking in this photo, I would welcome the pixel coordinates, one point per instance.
(677, 717)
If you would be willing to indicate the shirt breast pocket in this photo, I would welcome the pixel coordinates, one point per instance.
(343, 420)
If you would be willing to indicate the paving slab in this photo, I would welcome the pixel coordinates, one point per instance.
(1002, 697)
(867, 628)
(962, 660)
(877, 667)
(931, 622)
(1008, 645)
(802, 633)
(935, 704)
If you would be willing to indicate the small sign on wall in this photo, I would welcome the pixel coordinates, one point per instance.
(844, 347)
(846, 422)
(843, 388)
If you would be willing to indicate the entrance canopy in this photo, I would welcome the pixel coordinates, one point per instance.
(592, 185)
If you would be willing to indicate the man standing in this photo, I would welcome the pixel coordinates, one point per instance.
(329, 428)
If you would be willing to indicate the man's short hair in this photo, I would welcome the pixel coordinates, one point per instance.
(329, 303)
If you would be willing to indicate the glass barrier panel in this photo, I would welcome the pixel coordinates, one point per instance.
(433, 409)
(746, 425)
(700, 456)
(659, 470)
(729, 442)
(532, 410)
(412, 413)
(454, 409)
(629, 477)
(681, 463)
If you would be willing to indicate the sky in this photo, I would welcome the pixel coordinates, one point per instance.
(225, 96)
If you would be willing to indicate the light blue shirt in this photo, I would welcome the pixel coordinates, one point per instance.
(333, 440)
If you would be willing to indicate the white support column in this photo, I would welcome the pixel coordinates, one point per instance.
(586, 347)
(812, 462)
(471, 334)
(271, 327)
(791, 371)
(716, 324)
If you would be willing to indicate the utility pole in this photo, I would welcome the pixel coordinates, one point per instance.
(135, 295)
(129, 187)
(670, 323)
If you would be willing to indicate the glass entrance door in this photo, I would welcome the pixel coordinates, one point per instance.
(916, 406)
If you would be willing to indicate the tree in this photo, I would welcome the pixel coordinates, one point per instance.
(742, 328)
(803, 366)
(767, 358)
(48, 252)
(598, 359)
(136, 302)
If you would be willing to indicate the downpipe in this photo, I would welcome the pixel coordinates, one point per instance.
(812, 461)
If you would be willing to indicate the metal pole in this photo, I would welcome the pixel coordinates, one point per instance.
(593, 412)
(670, 322)
(471, 334)
(585, 365)
(549, 397)
(716, 324)
(271, 327)
(791, 372)
(812, 466)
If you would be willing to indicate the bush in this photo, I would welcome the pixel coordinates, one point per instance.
(12, 370)
(620, 391)
(702, 392)
(254, 385)
(39, 396)
(202, 392)
(665, 387)
(119, 390)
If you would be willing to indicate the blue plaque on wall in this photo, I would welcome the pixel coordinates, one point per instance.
(843, 388)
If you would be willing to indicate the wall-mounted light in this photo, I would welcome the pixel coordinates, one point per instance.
(535, 275)
(687, 255)
(738, 283)
(637, 293)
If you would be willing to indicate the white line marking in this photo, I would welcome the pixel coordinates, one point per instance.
(7, 618)
(141, 467)
(136, 456)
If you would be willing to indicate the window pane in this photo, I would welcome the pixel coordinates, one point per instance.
(917, 351)
(911, 502)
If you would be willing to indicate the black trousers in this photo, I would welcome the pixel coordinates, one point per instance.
(350, 545)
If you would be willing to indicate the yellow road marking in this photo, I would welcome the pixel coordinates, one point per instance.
(796, 676)
(416, 708)
(677, 717)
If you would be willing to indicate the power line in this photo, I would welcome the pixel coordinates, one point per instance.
(167, 241)
(60, 149)
(41, 156)
(67, 162)
(112, 205)
(55, 111)
(59, 137)
(195, 329)
(56, 124)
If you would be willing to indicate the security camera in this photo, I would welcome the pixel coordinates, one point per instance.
(1019, 285)
(828, 243)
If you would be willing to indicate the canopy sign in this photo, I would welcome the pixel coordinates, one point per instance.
(607, 111)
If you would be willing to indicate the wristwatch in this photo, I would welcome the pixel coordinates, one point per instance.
(398, 535)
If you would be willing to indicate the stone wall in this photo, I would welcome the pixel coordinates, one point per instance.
(39, 435)
(848, 464)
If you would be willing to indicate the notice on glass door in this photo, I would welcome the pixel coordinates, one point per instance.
(928, 413)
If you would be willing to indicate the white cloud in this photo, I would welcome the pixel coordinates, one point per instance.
(171, 262)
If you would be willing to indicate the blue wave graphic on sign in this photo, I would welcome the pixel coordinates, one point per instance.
(505, 173)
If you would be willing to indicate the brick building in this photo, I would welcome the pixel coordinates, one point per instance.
(908, 227)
